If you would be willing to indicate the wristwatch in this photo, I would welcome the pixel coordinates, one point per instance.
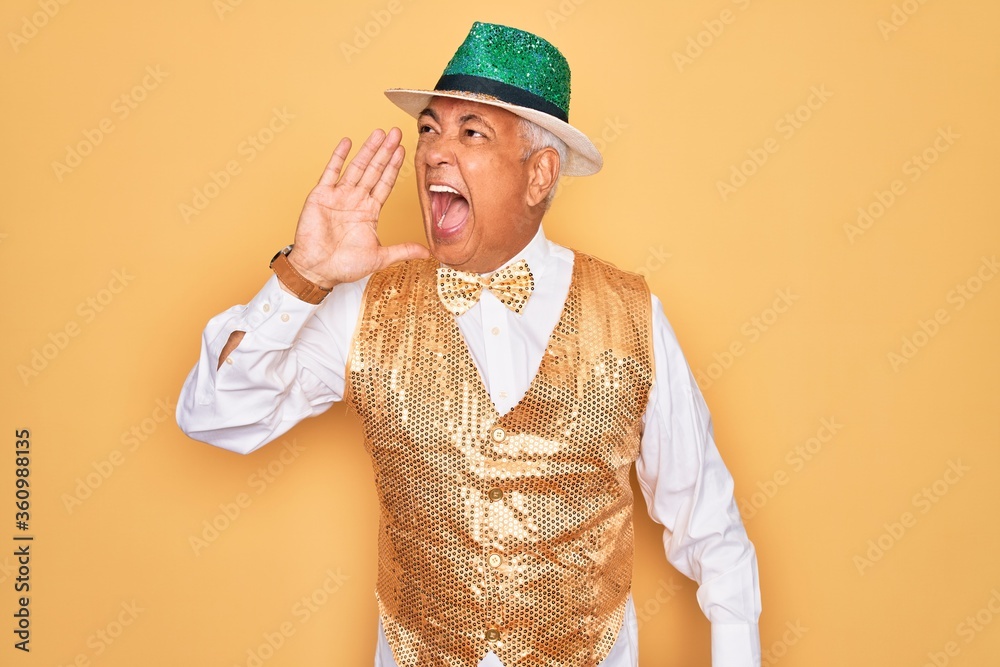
(299, 285)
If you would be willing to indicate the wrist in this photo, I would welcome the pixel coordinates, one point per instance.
(313, 277)
(294, 282)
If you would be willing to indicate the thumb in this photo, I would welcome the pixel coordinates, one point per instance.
(402, 251)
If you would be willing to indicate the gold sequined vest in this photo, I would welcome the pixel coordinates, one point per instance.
(508, 533)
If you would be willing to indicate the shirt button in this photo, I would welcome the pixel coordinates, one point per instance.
(284, 317)
(503, 394)
(498, 434)
(229, 360)
(266, 307)
(492, 634)
(495, 331)
(495, 560)
(495, 494)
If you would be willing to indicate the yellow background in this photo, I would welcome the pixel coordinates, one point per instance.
(887, 81)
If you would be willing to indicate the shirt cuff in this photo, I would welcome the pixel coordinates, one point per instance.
(735, 645)
(276, 315)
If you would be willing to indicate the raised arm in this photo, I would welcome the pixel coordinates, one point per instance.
(268, 364)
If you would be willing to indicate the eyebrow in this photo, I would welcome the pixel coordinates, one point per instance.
(472, 116)
(462, 119)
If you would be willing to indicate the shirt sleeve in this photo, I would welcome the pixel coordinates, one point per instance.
(290, 365)
(689, 491)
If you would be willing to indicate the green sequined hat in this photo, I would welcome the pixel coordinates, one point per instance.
(515, 70)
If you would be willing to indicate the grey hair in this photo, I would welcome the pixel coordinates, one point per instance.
(536, 138)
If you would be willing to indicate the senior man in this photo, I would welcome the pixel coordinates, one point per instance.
(506, 385)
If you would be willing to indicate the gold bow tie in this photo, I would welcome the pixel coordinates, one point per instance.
(460, 290)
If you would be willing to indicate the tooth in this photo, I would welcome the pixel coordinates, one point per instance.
(443, 188)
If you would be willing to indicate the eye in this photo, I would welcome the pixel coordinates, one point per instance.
(424, 129)
(473, 133)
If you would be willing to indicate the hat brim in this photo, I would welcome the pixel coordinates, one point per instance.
(583, 158)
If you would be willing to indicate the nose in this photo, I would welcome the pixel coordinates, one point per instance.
(439, 151)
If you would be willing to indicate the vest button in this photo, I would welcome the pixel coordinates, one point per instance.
(498, 434)
(495, 494)
(495, 560)
(492, 634)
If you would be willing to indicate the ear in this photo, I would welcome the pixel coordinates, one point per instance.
(543, 170)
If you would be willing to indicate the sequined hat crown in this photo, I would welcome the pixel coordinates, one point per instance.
(515, 70)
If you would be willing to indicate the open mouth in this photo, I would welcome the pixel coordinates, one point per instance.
(449, 209)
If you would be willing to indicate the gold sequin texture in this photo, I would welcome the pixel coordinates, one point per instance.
(507, 533)
(460, 290)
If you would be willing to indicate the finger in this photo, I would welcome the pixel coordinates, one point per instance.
(402, 251)
(381, 160)
(332, 171)
(384, 186)
(356, 168)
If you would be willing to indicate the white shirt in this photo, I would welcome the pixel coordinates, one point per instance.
(290, 365)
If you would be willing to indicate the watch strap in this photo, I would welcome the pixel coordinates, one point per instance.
(299, 285)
